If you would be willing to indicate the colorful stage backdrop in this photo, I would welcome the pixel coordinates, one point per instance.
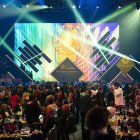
(42, 47)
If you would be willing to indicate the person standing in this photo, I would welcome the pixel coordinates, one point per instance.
(97, 120)
(118, 93)
(32, 110)
(110, 96)
(14, 98)
(85, 105)
(100, 97)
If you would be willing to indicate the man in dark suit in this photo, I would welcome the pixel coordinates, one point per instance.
(110, 96)
(32, 110)
(85, 105)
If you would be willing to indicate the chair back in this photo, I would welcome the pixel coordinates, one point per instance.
(35, 126)
(53, 133)
(70, 124)
(37, 136)
(126, 138)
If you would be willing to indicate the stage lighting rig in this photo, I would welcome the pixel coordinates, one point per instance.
(20, 3)
(54, 4)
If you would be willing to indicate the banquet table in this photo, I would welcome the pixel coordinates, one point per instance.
(117, 128)
(14, 136)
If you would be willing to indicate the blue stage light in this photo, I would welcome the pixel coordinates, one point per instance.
(4, 6)
(41, 2)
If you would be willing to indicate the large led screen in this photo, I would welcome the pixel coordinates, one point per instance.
(42, 47)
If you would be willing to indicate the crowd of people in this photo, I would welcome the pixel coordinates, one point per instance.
(90, 104)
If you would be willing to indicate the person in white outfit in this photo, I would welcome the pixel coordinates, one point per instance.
(118, 93)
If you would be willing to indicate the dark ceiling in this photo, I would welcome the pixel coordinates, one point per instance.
(89, 3)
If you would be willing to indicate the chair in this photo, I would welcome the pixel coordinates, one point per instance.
(36, 132)
(126, 138)
(52, 135)
(35, 126)
(70, 126)
(37, 136)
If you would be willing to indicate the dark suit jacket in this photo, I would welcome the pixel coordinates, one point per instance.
(110, 98)
(85, 103)
(32, 112)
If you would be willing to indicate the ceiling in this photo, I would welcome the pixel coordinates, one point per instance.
(88, 3)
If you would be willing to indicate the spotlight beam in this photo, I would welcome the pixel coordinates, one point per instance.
(33, 57)
(18, 19)
(7, 47)
(98, 64)
(104, 48)
(29, 53)
(117, 53)
(34, 19)
(18, 67)
(108, 69)
(116, 14)
(73, 50)
(77, 53)
(10, 30)
(88, 30)
(10, 50)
